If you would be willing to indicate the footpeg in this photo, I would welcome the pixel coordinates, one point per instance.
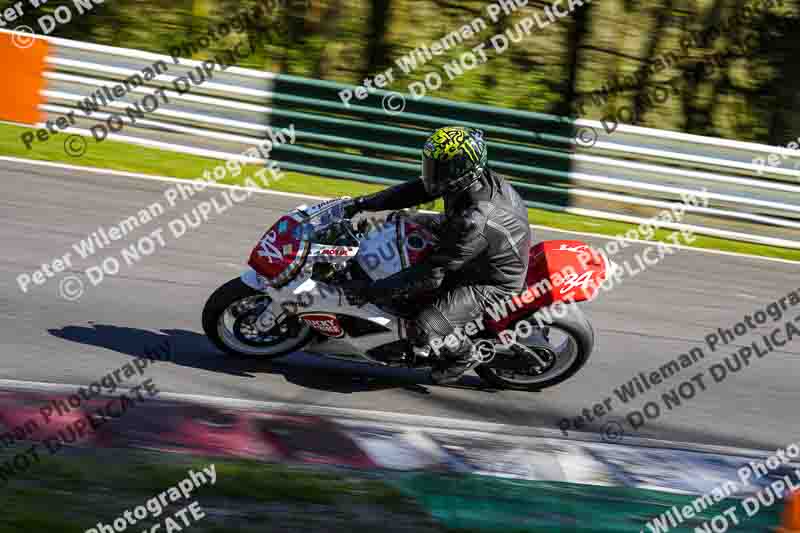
(421, 351)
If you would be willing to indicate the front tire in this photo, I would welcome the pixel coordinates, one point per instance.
(570, 355)
(230, 320)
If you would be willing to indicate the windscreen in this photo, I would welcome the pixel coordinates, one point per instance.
(283, 249)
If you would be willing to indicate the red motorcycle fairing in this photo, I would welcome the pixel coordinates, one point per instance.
(416, 242)
(556, 272)
(281, 251)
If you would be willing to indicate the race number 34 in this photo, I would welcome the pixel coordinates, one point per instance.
(268, 249)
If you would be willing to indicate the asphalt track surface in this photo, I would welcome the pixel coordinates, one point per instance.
(643, 323)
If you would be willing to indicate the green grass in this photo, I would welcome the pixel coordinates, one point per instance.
(73, 490)
(82, 487)
(131, 158)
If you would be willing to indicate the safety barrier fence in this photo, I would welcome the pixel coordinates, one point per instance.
(616, 172)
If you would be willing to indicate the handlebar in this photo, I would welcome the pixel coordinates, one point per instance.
(351, 231)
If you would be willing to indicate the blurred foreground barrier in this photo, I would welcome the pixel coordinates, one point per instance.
(611, 171)
(790, 521)
(23, 60)
(476, 478)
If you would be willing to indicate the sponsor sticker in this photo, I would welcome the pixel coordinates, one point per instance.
(325, 323)
(575, 249)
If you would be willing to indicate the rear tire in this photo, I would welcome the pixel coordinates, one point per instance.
(575, 324)
(220, 302)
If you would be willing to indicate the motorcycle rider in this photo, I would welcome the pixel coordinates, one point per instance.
(482, 256)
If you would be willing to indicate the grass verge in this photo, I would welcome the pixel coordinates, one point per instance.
(81, 487)
(76, 489)
(132, 158)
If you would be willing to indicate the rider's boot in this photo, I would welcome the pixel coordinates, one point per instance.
(455, 362)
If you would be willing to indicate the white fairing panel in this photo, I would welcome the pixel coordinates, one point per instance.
(324, 305)
(322, 299)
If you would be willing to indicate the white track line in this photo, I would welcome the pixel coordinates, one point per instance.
(433, 424)
(95, 170)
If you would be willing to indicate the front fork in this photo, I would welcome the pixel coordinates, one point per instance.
(250, 278)
(269, 317)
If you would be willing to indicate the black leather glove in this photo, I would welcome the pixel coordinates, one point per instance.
(356, 292)
(421, 277)
(360, 292)
(353, 206)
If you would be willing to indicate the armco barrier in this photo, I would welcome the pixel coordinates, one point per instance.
(628, 173)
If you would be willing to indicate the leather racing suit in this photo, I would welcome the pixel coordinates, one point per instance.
(482, 256)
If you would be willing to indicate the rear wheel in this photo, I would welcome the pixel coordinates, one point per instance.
(547, 357)
(241, 321)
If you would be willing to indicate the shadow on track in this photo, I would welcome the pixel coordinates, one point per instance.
(187, 348)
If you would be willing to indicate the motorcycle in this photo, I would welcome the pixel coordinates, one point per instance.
(295, 296)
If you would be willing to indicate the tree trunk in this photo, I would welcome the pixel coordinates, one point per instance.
(783, 127)
(329, 26)
(294, 19)
(377, 49)
(640, 99)
(575, 39)
(698, 119)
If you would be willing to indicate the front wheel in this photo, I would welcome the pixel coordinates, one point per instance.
(545, 358)
(240, 320)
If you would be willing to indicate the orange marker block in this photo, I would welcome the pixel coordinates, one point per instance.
(790, 521)
(23, 60)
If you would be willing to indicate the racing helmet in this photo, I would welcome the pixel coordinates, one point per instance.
(453, 158)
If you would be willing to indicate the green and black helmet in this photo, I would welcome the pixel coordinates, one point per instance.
(453, 158)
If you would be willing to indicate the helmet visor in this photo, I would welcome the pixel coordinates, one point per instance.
(437, 174)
